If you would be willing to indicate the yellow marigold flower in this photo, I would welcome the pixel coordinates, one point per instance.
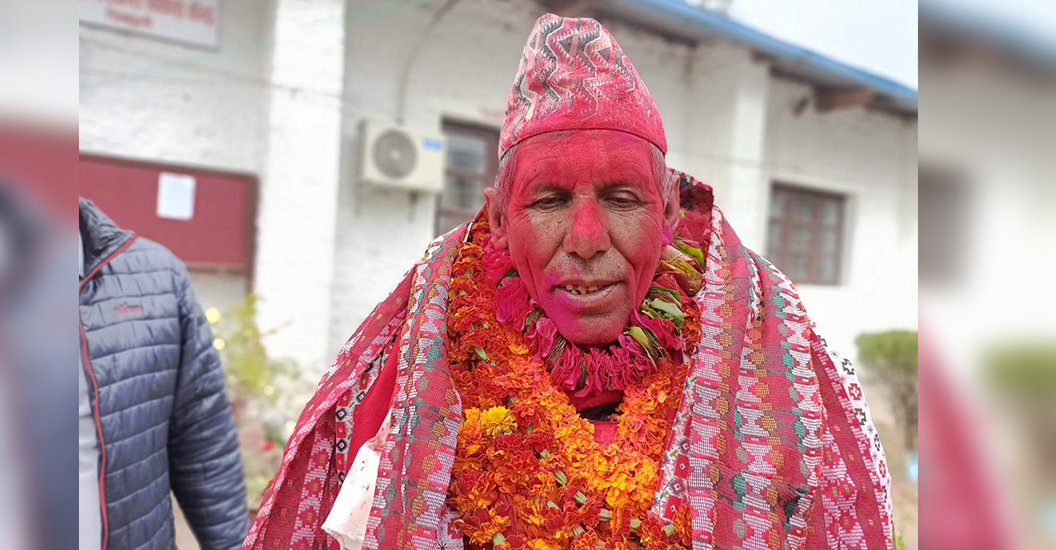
(481, 536)
(642, 485)
(471, 423)
(519, 349)
(469, 433)
(498, 524)
(540, 544)
(497, 421)
(534, 517)
(615, 487)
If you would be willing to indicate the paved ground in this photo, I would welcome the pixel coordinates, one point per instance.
(903, 493)
(184, 537)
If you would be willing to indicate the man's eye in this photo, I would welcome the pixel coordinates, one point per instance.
(622, 201)
(548, 203)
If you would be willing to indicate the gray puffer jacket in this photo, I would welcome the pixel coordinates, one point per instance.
(157, 391)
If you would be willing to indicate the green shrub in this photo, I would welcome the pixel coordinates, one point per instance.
(1023, 370)
(892, 355)
(1022, 374)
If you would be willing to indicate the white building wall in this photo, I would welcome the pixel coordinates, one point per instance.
(870, 158)
(995, 127)
(143, 98)
(158, 101)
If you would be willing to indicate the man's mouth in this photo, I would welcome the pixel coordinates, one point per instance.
(580, 290)
(587, 297)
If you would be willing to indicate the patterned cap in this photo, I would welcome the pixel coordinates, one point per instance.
(574, 76)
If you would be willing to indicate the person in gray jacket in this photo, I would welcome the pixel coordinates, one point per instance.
(154, 414)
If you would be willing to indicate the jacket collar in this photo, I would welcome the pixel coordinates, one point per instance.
(100, 236)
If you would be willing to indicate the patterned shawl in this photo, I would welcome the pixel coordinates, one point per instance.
(772, 445)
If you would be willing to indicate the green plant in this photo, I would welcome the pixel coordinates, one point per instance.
(1023, 370)
(1022, 373)
(251, 373)
(892, 355)
(259, 387)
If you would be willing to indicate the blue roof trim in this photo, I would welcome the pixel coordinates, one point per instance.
(789, 57)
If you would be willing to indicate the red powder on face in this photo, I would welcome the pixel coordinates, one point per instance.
(585, 212)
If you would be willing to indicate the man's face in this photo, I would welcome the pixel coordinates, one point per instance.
(585, 224)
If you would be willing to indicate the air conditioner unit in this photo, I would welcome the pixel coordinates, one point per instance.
(400, 158)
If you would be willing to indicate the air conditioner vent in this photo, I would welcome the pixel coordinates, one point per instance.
(398, 157)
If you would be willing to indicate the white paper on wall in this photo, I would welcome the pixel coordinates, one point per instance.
(175, 196)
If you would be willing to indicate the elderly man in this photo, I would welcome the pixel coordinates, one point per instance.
(594, 361)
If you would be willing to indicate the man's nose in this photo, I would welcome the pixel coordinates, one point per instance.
(588, 235)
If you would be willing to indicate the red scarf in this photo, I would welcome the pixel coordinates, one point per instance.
(771, 446)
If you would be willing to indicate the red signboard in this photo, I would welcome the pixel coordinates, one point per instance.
(218, 235)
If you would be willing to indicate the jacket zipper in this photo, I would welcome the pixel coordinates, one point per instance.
(95, 390)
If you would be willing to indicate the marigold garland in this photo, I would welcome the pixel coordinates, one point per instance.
(528, 472)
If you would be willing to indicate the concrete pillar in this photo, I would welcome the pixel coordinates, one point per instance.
(298, 199)
(721, 137)
(748, 192)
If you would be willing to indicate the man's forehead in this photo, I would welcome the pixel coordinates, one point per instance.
(567, 173)
(605, 154)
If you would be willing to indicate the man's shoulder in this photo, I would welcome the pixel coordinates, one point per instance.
(121, 250)
(146, 259)
(147, 255)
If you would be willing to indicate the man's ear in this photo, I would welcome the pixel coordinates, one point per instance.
(496, 218)
(672, 210)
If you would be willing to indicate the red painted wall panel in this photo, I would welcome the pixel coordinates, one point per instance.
(41, 162)
(220, 233)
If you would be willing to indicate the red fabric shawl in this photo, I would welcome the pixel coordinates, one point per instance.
(772, 446)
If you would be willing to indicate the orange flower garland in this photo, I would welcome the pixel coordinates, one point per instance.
(528, 472)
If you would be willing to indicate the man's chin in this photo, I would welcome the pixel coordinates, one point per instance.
(593, 331)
